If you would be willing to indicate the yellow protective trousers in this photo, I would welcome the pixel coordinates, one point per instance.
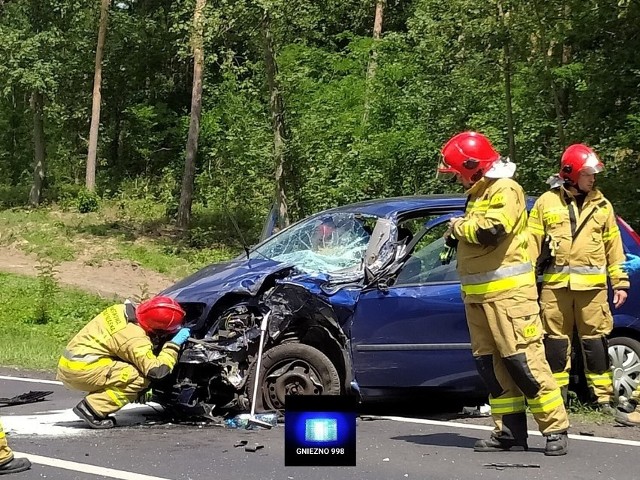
(506, 338)
(588, 311)
(110, 386)
(6, 455)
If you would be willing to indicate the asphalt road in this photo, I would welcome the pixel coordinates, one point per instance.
(387, 448)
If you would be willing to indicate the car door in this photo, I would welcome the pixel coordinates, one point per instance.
(414, 332)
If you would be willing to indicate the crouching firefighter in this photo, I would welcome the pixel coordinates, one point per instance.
(112, 357)
(500, 296)
(578, 226)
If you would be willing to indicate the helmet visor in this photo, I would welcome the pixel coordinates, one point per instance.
(444, 171)
(592, 170)
(592, 165)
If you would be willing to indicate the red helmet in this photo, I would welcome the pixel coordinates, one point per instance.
(469, 154)
(579, 158)
(160, 314)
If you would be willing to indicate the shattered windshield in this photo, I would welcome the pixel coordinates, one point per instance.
(322, 244)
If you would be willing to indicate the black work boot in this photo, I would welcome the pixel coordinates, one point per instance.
(557, 444)
(85, 412)
(15, 465)
(496, 444)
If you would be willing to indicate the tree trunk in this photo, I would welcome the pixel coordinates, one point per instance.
(546, 50)
(90, 180)
(37, 102)
(277, 119)
(373, 61)
(506, 49)
(188, 178)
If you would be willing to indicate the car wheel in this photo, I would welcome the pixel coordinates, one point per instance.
(293, 369)
(624, 353)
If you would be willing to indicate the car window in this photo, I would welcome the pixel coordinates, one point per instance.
(325, 244)
(425, 265)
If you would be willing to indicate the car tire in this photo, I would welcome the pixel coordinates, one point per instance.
(292, 369)
(624, 353)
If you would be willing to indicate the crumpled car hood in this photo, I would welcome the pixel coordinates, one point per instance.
(213, 281)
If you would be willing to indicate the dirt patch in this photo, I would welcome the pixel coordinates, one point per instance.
(109, 278)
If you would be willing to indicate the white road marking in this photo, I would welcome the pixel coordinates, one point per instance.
(30, 380)
(65, 423)
(424, 421)
(87, 468)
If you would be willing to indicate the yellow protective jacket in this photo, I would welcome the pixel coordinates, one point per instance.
(492, 249)
(584, 261)
(112, 336)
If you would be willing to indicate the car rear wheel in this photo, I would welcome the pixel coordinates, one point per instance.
(625, 364)
(293, 369)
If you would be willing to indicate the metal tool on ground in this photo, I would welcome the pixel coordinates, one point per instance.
(500, 466)
(30, 397)
(253, 421)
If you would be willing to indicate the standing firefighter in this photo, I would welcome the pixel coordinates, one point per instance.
(112, 357)
(500, 296)
(574, 226)
(8, 463)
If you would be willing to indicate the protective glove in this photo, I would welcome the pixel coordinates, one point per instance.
(145, 396)
(181, 336)
(632, 264)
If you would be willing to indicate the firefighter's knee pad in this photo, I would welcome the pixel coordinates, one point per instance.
(484, 364)
(596, 354)
(556, 352)
(521, 374)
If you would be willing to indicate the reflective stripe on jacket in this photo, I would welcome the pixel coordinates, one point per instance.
(490, 272)
(110, 336)
(583, 262)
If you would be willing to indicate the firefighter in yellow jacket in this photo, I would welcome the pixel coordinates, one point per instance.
(8, 463)
(500, 295)
(582, 247)
(112, 357)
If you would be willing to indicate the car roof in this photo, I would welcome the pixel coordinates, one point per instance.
(388, 207)
(385, 207)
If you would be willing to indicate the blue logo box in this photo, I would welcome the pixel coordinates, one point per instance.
(320, 430)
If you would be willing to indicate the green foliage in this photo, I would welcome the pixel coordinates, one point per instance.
(39, 345)
(13, 195)
(87, 201)
(47, 289)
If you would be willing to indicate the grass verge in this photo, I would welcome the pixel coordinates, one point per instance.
(29, 344)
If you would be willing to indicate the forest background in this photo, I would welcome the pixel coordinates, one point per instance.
(212, 110)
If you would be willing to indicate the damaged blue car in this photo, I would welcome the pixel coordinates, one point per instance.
(361, 299)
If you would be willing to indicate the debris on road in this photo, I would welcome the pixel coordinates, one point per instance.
(502, 466)
(30, 397)
(245, 420)
(479, 411)
(253, 448)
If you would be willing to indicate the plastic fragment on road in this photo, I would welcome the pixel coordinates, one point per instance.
(242, 420)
